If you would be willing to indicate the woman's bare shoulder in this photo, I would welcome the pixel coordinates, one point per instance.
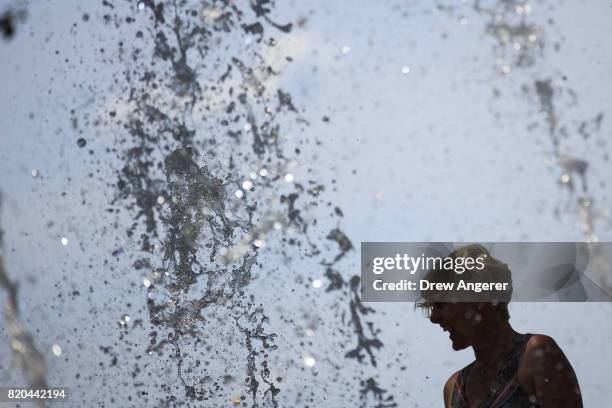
(448, 388)
(539, 347)
(546, 373)
(541, 340)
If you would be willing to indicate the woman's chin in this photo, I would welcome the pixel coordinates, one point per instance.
(458, 347)
(458, 344)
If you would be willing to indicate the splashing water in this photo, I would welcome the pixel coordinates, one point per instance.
(509, 24)
(195, 125)
(28, 357)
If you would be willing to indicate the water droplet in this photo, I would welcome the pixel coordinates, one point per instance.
(532, 38)
(309, 332)
(160, 200)
(253, 175)
(405, 69)
(317, 283)
(277, 225)
(247, 184)
(64, 241)
(17, 346)
(141, 5)
(56, 349)
(81, 142)
(288, 177)
(516, 46)
(247, 127)
(345, 49)
(259, 243)
(506, 69)
(210, 12)
(263, 172)
(565, 178)
(34, 172)
(239, 193)
(124, 320)
(308, 360)
(146, 282)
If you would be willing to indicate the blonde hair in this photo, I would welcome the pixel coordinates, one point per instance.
(493, 271)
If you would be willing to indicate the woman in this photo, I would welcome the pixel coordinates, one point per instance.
(511, 370)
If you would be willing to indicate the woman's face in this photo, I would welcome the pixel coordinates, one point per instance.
(461, 320)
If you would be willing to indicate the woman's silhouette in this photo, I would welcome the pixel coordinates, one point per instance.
(511, 370)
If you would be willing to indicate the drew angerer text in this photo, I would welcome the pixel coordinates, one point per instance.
(424, 284)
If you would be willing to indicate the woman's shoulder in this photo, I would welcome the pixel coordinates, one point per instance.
(449, 387)
(546, 372)
(539, 346)
(540, 356)
(455, 382)
(536, 348)
(450, 383)
(540, 339)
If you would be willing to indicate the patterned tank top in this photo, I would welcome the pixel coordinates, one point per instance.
(506, 392)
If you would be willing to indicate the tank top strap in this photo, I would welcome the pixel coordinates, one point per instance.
(458, 398)
(507, 380)
(505, 384)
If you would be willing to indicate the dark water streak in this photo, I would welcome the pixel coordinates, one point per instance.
(10, 19)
